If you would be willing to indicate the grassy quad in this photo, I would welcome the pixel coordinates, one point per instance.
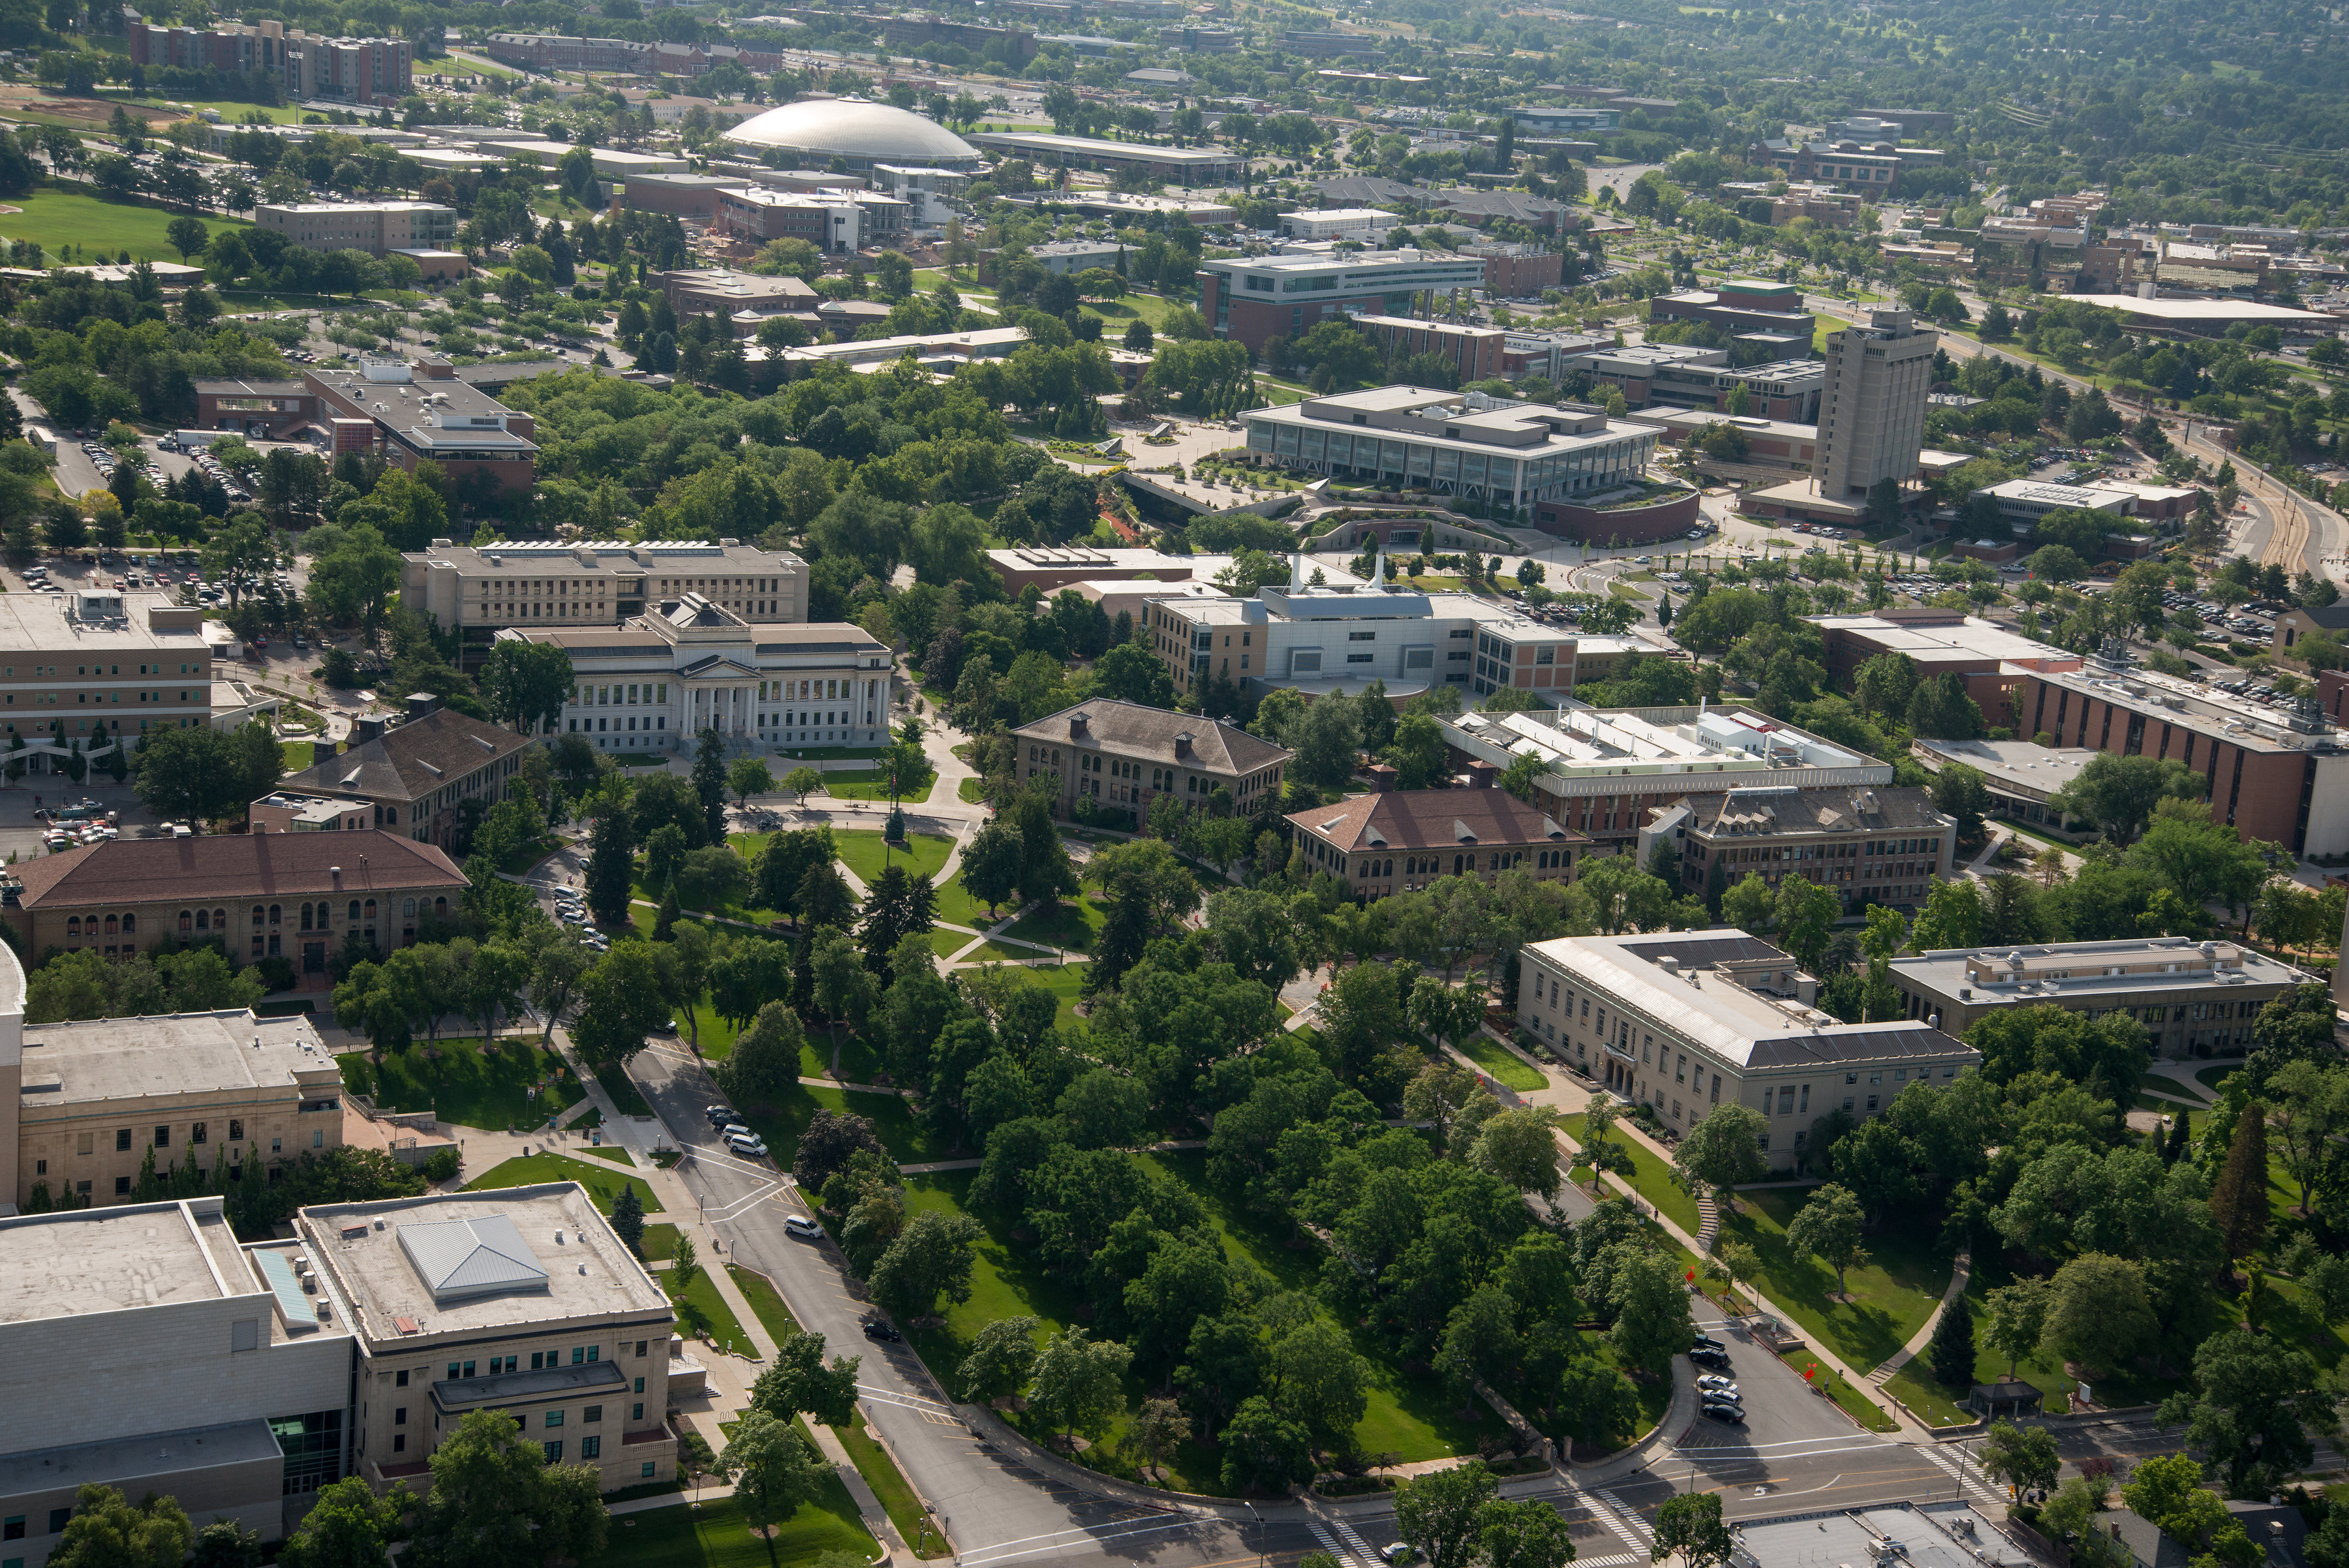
(907, 1139)
(1891, 1295)
(1653, 1179)
(602, 1183)
(714, 1536)
(865, 852)
(1411, 1417)
(1502, 1064)
(58, 218)
(1071, 924)
(510, 1084)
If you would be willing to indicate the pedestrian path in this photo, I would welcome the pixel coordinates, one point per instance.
(1708, 1229)
(1960, 1269)
(1624, 1523)
(1965, 1476)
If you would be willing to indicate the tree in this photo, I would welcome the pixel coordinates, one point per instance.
(932, 1256)
(1002, 1358)
(774, 1470)
(709, 784)
(1688, 1526)
(2018, 1316)
(1652, 1311)
(2024, 1457)
(831, 1139)
(1722, 1152)
(1528, 1534)
(526, 684)
(348, 1526)
(1951, 1352)
(2118, 794)
(747, 776)
(495, 1499)
(2255, 1402)
(1441, 1511)
(1322, 1382)
(798, 1383)
(1263, 1450)
(1079, 1382)
(1828, 1228)
(1520, 1147)
(2239, 1200)
(684, 1264)
(2098, 1314)
(611, 860)
(1960, 791)
(628, 1219)
(108, 1531)
(765, 1063)
(803, 782)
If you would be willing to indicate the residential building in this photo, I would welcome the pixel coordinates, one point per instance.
(446, 1294)
(736, 295)
(1504, 452)
(1684, 1021)
(375, 227)
(1606, 771)
(1872, 405)
(1472, 352)
(124, 663)
(386, 407)
(1991, 659)
(1338, 223)
(1330, 45)
(259, 895)
(2192, 998)
(2279, 776)
(1519, 272)
(2278, 1533)
(476, 592)
(1740, 304)
(357, 71)
(1124, 755)
(689, 664)
(1254, 299)
(420, 775)
(221, 1088)
(199, 1369)
(1870, 845)
(1078, 256)
(1395, 841)
(1178, 165)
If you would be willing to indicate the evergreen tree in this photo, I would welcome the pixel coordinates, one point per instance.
(149, 1187)
(628, 1219)
(2180, 1140)
(2238, 1201)
(665, 924)
(611, 854)
(1952, 1349)
(709, 784)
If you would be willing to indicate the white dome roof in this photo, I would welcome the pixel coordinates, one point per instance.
(854, 130)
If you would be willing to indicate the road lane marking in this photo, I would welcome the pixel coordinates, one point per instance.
(998, 1555)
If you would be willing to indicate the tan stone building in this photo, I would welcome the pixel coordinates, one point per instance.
(520, 1300)
(1869, 845)
(1127, 755)
(1397, 840)
(420, 775)
(227, 1087)
(276, 895)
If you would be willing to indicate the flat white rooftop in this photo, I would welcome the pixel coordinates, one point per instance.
(116, 1259)
(1577, 742)
(2019, 767)
(178, 1053)
(1971, 636)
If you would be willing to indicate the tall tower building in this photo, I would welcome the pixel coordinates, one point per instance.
(1872, 408)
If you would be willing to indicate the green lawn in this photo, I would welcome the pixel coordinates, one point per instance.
(907, 1139)
(971, 790)
(1408, 1416)
(660, 1243)
(513, 1085)
(1013, 952)
(1071, 924)
(946, 943)
(1066, 982)
(766, 1306)
(603, 1184)
(863, 851)
(231, 113)
(294, 755)
(871, 784)
(1893, 1293)
(714, 1536)
(1501, 1064)
(1652, 1178)
(889, 1486)
(57, 218)
(956, 904)
(2209, 1077)
(610, 1151)
(626, 1097)
(859, 1062)
(701, 1310)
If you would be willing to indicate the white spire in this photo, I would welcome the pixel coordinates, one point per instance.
(1378, 566)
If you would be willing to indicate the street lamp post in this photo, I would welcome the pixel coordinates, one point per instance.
(1259, 1530)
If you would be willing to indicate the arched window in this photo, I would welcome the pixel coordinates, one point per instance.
(440, 908)
(407, 909)
(371, 912)
(220, 920)
(305, 916)
(130, 924)
(275, 916)
(260, 914)
(203, 919)
(187, 920)
(73, 925)
(111, 926)
(355, 911)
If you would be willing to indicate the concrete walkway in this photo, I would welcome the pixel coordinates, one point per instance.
(1960, 1270)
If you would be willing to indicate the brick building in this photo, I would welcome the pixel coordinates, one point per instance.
(1393, 841)
(1254, 299)
(1473, 352)
(377, 228)
(1992, 661)
(688, 198)
(436, 416)
(1124, 755)
(1870, 845)
(420, 775)
(310, 65)
(1519, 272)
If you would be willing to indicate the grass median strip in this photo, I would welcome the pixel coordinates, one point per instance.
(880, 1471)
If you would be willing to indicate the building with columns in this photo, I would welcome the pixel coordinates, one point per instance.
(657, 680)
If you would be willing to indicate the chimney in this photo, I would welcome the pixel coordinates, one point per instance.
(1383, 776)
(1183, 744)
(1481, 774)
(1076, 726)
(336, 872)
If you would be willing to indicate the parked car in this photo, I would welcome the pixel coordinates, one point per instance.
(876, 1330)
(752, 1147)
(721, 1116)
(1719, 1411)
(806, 1229)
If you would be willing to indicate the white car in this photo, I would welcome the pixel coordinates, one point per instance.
(748, 1145)
(806, 1229)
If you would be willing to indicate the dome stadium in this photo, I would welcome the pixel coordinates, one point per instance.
(817, 130)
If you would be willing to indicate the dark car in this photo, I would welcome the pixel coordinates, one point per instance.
(721, 1116)
(1704, 1339)
(1717, 1410)
(1708, 1355)
(875, 1329)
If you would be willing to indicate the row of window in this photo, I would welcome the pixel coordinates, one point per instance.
(311, 917)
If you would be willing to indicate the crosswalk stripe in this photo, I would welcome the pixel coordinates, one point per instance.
(1620, 1522)
(1958, 1472)
(1329, 1543)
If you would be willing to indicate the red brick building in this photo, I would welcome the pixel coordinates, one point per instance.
(1521, 272)
(1474, 351)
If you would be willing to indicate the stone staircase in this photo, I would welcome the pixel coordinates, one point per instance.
(1708, 1229)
